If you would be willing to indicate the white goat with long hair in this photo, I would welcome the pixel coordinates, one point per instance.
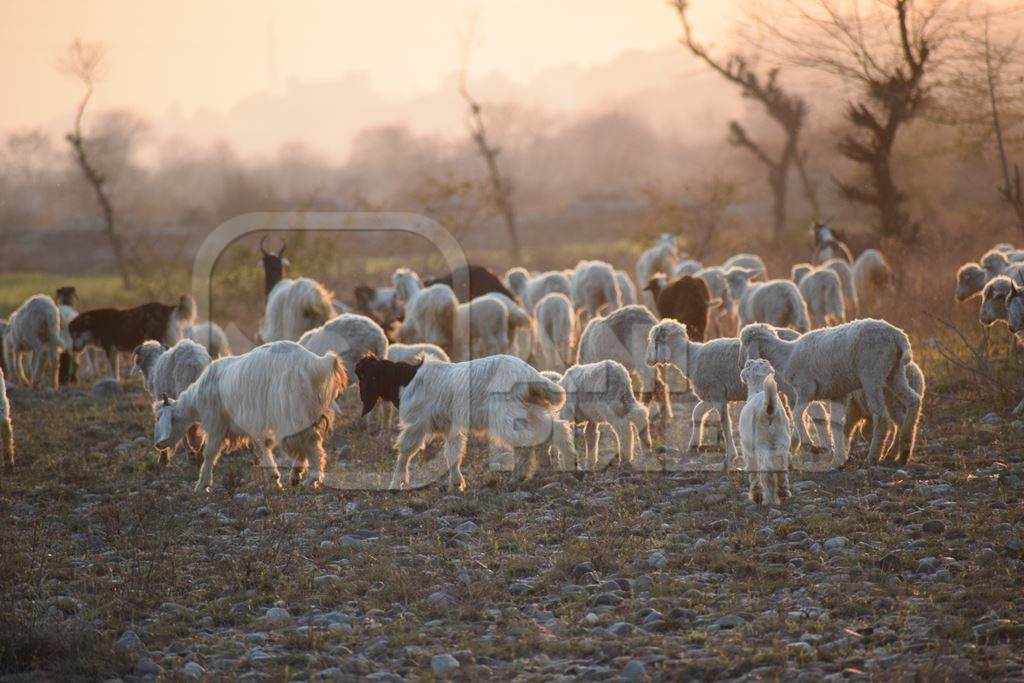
(210, 336)
(34, 327)
(556, 332)
(278, 393)
(429, 311)
(294, 306)
(595, 288)
(500, 397)
(660, 258)
(532, 288)
(765, 434)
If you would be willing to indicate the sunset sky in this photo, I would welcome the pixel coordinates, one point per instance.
(195, 54)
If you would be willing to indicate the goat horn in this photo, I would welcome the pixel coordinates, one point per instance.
(264, 239)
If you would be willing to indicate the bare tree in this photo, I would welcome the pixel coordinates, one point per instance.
(997, 57)
(85, 63)
(889, 51)
(786, 109)
(500, 186)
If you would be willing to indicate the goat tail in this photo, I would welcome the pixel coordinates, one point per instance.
(771, 397)
(541, 393)
(186, 310)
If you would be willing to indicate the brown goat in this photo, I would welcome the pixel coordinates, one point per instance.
(686, 299)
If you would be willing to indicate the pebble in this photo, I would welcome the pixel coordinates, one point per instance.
(634, 671)
(193, 670)
(130, 642)
(278, 616)
(444, 665)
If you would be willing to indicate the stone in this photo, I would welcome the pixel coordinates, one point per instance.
(193, 670)
(130, 642)
(634, 671)
(933, 526)
(444, 665)
(278, 615)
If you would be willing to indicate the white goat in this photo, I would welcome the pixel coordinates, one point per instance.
(486, 319)
(500, 397)
(294, 306)
(210, 336)
(556, 331)
(520, 326)
(602, 393)
(724, 317)
(531, 289)
(34, 327)
(821, 290)
(627, 289)
(687, 266)
(874, 278)
(168, 372)
(429, 311)
(750, 262)
(765, 434)
(595, 288)
(845, 272)
(858, 414)
(776, 302)
(661, 258)
(994, 299)
(970, 280)
(276, 393)
(351, 336)
(831, 363)
(622, 337)
(6, 430)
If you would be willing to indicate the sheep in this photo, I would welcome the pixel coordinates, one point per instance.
(595, 288)
(34, 327)
(277, 393)
(1015, 321)
(776, 302)
(718, 288)
(499, 396)
(6, 430)
(622, 336)
(627, 289)
(556, 331)
(168, 372)
(873, 275)
(858, 415)
(210, 336)
(602, 392)
(380, 303)
(661, 258)
(970, 280)
(351, 336)
(845, 273)
(828, 244)
(687, 267)
(486, 319)
(480, 281)
(821, 290)
(123, 329)
(686, 299)
(830, 363)
(293, 308)
(531, 290)
(429, 311)
(748, 261)
(765, 425)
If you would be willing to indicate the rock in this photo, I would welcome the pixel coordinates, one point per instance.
(657, 560)
(797, 536)
(147, 667)
(193, 670)
(802, 648)
(131, 643)
(998, 628)
(928, 565)
(67, 604)
(278, 616)
(890, 563)
(467, 527)
(444, 665)
(108, 387)
(933, 526)
(634, 671)
(728, 621)
(620, 628)
(835, 543)
(940, 489)
(991, 419)
(986, 556)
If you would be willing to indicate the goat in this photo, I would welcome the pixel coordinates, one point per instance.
(595, 288)
(274, 264)
(6, 430)
(776, 302)
(481, 281)
(531, 290)
(499, 396)
(718, 288)
(556, 331)
(210, 336)
(520, 326)
(622, 336)
(845, 272)
(686, 299)
(34, 326)
(831, 363)
(765, 434)
(750, 262)
(123, 329)
(380, 303)
(293, 308)
(602, 392)
(429, 311)
(627, 290)
(822, 291)
(828, 244)
(971, 279)
(168, 372)
(661, 258)
(873, 276)
(351, 336)
(687, 267)
(276, 393)
(858, 415)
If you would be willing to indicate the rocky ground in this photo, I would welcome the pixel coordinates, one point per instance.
(110, 567)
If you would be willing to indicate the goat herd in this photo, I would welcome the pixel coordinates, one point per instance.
(523, 359)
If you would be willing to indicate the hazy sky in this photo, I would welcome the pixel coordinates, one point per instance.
(198, 54)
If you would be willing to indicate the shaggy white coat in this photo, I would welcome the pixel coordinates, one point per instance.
(293, 307)
(845, 272)
(874, 279)
(210, 335)
(351, 336)
(35, 327)
(661, 258)
(556, 332)
(859, 415)
(776, 302)
(531, 289)
(595, 288)
(500, 397)
(823, 293)
(278, 393)
(429, 311)
(765, 432)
